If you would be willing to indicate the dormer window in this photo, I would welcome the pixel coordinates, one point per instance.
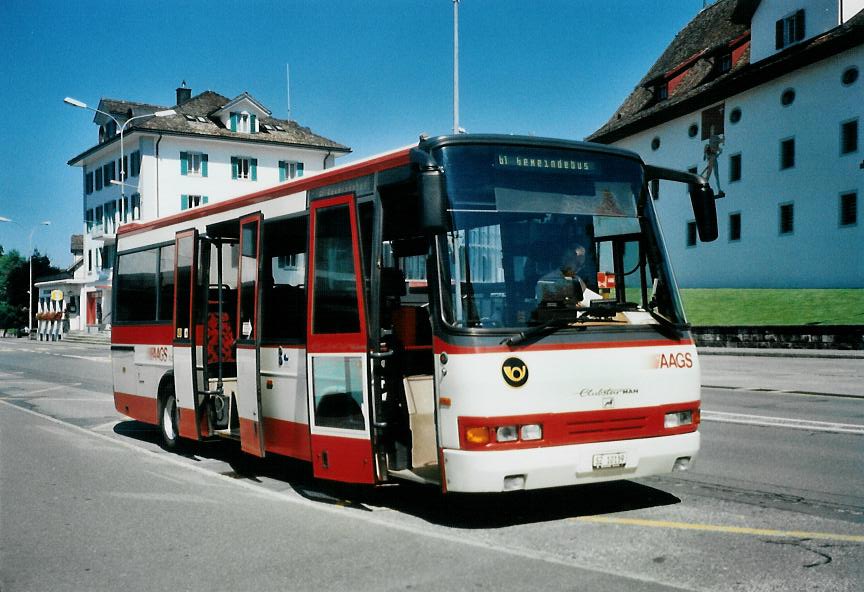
(661, 91)
(244, 122)
(107, 131)
(789, 30)
(725, 63)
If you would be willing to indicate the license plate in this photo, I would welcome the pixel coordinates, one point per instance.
(609, 460)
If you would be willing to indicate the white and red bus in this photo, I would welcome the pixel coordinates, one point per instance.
(484, 313)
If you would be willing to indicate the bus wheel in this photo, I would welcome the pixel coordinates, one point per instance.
(169, 419)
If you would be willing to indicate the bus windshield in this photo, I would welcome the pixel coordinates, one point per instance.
(544, 235)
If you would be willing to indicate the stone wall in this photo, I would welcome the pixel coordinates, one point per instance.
(846, 337)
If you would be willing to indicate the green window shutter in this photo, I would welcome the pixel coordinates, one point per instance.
(799, 25)
(184, 163)
(251, 124)
(203, 165)
(233, 122)
(299, 169)
(203, 199)
(184, 202)
(253, 163)
(233, 167)
(281, 170)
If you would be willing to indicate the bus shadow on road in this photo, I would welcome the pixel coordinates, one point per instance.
(467, 511)
(499, 510)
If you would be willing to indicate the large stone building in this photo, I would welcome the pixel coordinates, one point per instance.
(213, 148)
(770, 94)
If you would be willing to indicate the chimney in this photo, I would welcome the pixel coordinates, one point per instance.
(183, 94)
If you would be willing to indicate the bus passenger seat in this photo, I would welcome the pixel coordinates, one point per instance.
(214, 326)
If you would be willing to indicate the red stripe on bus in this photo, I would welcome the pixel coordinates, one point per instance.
(581, 427)
(288, 438)
(347, 459)
(186, 424)
(142, 334)
(249, 441)
(442, 346)
(319, 180)
(137, 407)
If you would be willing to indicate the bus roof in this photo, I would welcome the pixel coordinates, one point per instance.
(378, 162)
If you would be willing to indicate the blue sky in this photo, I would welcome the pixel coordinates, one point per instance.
(371, 75)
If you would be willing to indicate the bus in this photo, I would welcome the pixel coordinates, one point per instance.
(483, 313)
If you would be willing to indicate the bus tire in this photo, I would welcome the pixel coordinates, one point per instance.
(169, 418)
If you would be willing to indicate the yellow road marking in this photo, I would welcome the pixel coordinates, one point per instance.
(797, 534)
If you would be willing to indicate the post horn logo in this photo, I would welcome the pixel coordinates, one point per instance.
(514, 371)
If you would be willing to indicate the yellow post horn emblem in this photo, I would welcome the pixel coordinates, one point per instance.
(514, 371)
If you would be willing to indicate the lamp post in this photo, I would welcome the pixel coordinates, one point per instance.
(455, 66)
(122, 126)
(30, 259)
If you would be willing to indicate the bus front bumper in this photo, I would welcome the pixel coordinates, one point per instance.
(559, 466)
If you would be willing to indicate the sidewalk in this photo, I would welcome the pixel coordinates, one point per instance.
(829, 372)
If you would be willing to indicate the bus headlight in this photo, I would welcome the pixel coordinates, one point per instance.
(506, 434)
(531, 432)
(678, 419)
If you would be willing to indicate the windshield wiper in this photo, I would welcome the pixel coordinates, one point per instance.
(551, 326)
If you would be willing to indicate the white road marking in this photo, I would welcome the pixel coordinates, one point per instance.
(782, 422)
(49, 389)
(100, 359)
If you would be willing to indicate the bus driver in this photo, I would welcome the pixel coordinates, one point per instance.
(564, 285)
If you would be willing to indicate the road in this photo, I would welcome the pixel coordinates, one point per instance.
(89, 501)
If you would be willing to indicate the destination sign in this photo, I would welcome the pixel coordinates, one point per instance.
(563, 164)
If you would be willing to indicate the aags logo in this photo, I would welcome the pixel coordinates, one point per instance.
(676, 360)
(515, 371)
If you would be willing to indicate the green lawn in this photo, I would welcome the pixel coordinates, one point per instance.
(773, 307)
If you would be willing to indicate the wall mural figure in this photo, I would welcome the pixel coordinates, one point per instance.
(713, 149)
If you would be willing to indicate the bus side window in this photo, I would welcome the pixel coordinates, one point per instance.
(283, 282)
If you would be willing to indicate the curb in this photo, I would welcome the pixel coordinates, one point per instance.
(783, 391)
(837, 354)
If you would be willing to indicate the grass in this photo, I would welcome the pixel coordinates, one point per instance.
(756, 307)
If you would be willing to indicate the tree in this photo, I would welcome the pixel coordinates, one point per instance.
(14, 279)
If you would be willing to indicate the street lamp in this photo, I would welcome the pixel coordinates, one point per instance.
(30, 259)
(122, 126)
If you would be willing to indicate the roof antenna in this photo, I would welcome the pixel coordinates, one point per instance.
(288, 83)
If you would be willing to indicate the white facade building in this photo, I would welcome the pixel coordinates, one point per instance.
(213, 148)
(776, 85)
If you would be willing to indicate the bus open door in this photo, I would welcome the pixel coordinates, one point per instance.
(249, 338)
(186, 337)
(337, 356)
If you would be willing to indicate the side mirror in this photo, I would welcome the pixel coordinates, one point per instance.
(705, 211)
(433, 202)
(433, 197)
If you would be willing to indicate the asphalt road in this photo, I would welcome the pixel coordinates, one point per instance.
(89, 501)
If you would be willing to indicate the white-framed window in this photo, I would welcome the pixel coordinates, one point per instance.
(790, 29)
(244, 167)
(192, 201)
(193, 164)
(290, 169)
(243, 122)
(135, 209)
